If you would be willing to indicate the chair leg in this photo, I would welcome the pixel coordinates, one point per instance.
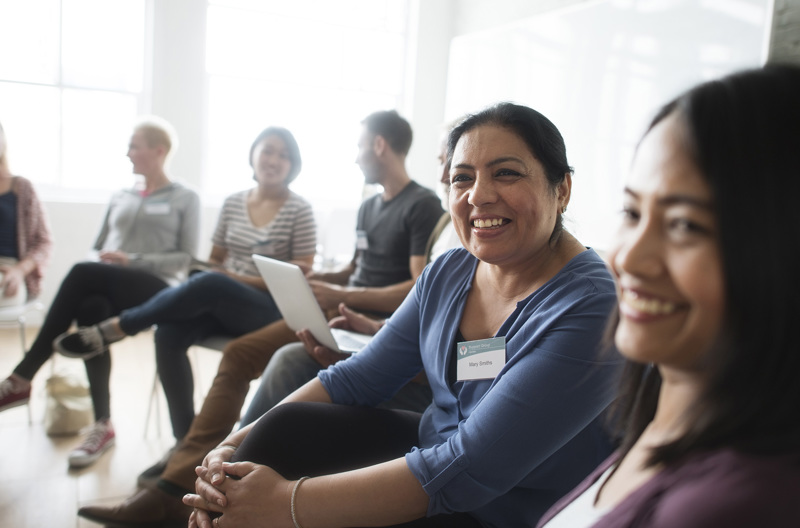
(198, 379)
(22, 336)
(22, 340)
(153, 405)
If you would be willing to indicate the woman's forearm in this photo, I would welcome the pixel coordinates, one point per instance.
(313, 391)
(378, 495)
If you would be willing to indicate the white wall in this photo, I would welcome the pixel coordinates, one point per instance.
(433, 24)
(476, 15)
(599, 71)
(178, 93)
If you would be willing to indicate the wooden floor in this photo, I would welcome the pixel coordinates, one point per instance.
(37, 489)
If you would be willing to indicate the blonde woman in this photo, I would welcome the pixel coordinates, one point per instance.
(146, 241)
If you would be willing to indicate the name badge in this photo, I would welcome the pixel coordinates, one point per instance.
(361, 240)
(481, 359)
(157, 208)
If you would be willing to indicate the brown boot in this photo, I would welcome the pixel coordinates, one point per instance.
(147, 507)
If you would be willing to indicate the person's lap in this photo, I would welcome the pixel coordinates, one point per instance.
(318, 439)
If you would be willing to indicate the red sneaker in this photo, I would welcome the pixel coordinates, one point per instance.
(100, 438)
(12, 394)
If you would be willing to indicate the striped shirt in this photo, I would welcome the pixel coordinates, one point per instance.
(292, 234)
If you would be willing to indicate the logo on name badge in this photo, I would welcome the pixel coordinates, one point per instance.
(463, 350)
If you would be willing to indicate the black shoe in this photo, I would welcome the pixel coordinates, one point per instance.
(86, 343)
(150, 476)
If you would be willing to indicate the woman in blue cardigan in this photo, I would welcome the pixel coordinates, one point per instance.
(507, 332)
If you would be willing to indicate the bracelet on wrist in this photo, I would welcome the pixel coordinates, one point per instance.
(292, 502)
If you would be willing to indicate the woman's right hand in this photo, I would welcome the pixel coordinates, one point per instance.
(211, 472)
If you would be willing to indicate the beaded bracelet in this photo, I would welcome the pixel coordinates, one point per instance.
(291, 502)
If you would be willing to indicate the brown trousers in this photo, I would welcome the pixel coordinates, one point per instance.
(243, 360)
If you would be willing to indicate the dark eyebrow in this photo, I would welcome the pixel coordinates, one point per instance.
(492, 163)
(677, 199)
(498, 161)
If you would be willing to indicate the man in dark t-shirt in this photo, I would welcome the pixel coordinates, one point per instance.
(392, 232)
(395, 231)
(392, 229)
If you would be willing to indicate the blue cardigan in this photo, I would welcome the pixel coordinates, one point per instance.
(505, 449)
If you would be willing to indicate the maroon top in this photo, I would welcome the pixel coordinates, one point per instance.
(723, 488)
(33, 234)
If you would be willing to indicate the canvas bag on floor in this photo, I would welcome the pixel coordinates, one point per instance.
(69, 406)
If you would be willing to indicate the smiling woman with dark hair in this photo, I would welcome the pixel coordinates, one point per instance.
(507, 331)
(709, 412)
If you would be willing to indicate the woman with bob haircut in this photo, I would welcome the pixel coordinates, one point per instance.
(507, 330)
(230, 298)
(709, 409)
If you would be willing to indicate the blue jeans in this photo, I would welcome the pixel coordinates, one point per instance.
(207, 304)
(292, 367)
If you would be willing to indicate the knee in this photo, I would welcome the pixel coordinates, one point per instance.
(80, 271)
(207, 280)
(292, 358)
(240, 359)
(284, 417)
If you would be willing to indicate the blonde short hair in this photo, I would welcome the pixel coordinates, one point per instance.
(157, 131)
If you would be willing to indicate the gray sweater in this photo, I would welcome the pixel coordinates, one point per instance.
(159, 232)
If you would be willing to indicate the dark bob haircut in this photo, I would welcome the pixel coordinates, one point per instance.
(392, 127)
(539, 134)
(291, 146)
(743, 133)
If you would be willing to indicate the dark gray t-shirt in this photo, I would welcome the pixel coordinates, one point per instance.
(394, 231)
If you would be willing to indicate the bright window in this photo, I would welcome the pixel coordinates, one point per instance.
(315, 67)
(71, 84)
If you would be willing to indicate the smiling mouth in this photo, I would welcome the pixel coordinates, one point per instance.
(489, 223)
(648, 306)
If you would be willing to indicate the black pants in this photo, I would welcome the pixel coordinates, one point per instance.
(312, 439)
(91, 292)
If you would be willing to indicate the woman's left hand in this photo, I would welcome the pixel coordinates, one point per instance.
(256, 496)
(10, 279)
(120, 258)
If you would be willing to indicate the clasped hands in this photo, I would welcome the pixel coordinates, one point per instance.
(238, 494)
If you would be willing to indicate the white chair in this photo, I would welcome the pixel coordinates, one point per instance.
(213, 342)
(17, 316)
